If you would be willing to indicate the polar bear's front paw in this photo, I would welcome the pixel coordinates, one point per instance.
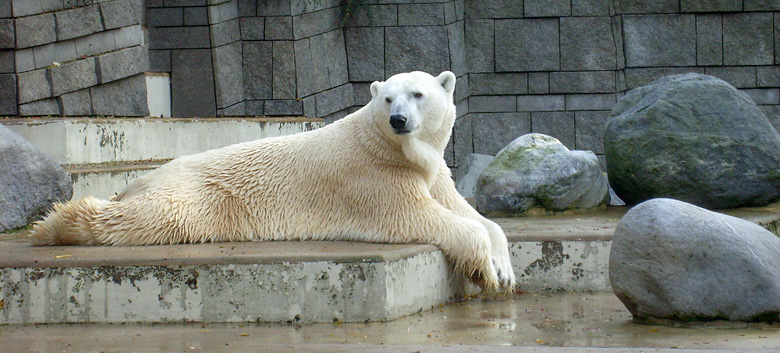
(504, 272)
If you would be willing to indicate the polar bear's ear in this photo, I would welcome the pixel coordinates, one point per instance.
(375, 87)
(447, 80)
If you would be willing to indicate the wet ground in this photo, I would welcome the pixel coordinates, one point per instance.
(532, 320)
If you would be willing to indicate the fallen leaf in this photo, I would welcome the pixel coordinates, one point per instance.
(243, 334)
(205, 330)
(61, 256)
(539, 340)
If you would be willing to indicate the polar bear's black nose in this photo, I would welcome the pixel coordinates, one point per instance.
(398, 121)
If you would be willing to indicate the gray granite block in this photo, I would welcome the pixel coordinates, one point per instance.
(33, 86)
(122, 13)
(416, 48)
(167, 16)
(313, 23)
(59, 52)
(547, 8)
(711, 5)
(248, 8)
(747, 39)
(7, 61)
(129, 36)
(462, 90)
(361, 93)
(228, 74)
(461, 108)
(638, 77)
(225, 32)
(278, 28)
(192, 84)
(258, 70)
(196, 16)
(334, 100)
(7, 33)
(587, 44)
(777, 39)
(430, 14)
(77, 22)
(8, 94)
(35, 30)
(179, 37)
(238, 109)
(764, 96)
(480, 56)
(329, 47)
(23, 8)
(646, 6)
(762, 5)
(252, 28)
(591, 101)
(274, 7)
(96, 43)
(160, 60)
(365, 53)
(538, 82)
(125, 97)
(290, 107)
(6, 9)
(462, 139)
(592, 8)
(737, 76)
(582, 82)
(78, 103)
(617, 33)
(311, 75)
(492, 104)
(527, 45)
(123, 63)
(660, 40)
(24, 60)
(225, 11)
(310, 106)
(370, 15)
(494, 9)
(590, 128)
(178, 3)
(556, 124)
(493, 131)
(457, 46)
(44, 107)
(283, 70)
(541, 103)
(497, 84)
(254, 108)
(307, 6)
(709, 39)
(768, 76)
(73, 76)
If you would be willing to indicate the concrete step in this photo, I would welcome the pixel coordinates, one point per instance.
(104, 155)
(77, 141)
(292, 281)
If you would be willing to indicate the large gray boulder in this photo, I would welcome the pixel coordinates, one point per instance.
(473, 166)
(537, 170)
(29, 182)
(676, 261)
(694, 138)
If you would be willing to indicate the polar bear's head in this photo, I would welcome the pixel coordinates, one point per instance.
(415, 104)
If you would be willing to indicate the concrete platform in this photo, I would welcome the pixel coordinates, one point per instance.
(104, 155)
(292, 281)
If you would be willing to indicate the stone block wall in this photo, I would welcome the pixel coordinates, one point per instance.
(67, 57)
(558, 66)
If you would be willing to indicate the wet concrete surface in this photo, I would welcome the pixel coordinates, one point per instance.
(537, 322)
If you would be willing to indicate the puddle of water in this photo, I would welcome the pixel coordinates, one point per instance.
(558, 320)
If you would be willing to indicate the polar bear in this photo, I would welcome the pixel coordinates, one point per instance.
(377, 175)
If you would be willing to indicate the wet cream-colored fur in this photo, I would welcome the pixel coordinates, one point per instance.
(356, 179)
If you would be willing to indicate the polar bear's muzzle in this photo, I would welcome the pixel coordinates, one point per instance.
(398, 122)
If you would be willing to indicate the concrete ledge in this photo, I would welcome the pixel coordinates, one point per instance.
(230, 282)
(75, 141)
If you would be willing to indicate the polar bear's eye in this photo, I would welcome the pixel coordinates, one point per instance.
(417, 95)
(388, 100)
